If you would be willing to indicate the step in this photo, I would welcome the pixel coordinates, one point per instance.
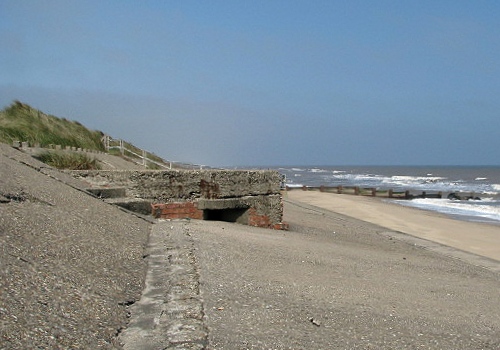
(108, 192)
(136, 205)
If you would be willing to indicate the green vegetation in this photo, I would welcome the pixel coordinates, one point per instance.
(23, 123)
(20, 122)
(68, 160)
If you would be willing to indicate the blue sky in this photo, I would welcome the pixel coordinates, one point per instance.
(233, 83)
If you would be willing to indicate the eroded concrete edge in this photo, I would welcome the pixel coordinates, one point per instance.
(170, 313)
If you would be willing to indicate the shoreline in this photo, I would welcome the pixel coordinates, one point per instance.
(478, 238)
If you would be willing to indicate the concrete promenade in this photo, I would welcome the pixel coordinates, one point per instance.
(331, 282)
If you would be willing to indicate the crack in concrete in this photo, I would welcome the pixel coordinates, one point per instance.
(170, 313)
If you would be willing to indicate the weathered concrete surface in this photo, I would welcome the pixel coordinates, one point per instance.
(170, 313)
(331, 282)
(165, 185)
(69, 263)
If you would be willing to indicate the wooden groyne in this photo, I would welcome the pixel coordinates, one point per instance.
(371, 192)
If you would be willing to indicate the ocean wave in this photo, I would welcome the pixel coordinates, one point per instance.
(316, 170)
(435, 183)
(444, 180)
(358, 177)
(489, 209)
(417, 179)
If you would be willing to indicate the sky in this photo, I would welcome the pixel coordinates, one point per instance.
(266, 82)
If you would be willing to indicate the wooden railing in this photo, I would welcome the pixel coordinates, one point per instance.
(142, 157)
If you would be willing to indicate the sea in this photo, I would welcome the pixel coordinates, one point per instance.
(479, 182)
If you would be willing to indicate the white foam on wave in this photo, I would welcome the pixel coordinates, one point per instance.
(485, 208)
(291, 185)
(496, 187)
(481, 178)
(317, 170)
(416, 179)
(359, 177)
(432, 183)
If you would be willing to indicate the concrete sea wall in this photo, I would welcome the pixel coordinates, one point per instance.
(70, 264)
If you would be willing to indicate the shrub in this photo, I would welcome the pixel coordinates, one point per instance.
(66, 160)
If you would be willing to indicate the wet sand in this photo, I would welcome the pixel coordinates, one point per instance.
(477, 238)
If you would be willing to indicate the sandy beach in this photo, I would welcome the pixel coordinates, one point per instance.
(477, 238)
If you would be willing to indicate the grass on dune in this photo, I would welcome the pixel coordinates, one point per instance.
(68, 160)
(20, 122)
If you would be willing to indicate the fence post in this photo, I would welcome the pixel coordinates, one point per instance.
(105, 141)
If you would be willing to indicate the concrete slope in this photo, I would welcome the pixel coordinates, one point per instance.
(70, 263)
